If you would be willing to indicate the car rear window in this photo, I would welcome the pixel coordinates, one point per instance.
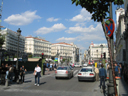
(86, 70)
(62, 68)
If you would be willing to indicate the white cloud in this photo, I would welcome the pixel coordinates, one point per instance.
(22, 19)
(52, 19)
(66, 39)
(83, 16)
(54, 28)
(90, 29)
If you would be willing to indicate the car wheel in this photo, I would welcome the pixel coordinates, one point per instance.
(79, 80)
(56, 77)
(72, 75)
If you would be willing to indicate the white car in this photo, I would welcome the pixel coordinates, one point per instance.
(86, 73)
(85, 65)
(77, 65)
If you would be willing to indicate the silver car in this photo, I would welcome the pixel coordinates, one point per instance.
(86, 73)
(64, 71)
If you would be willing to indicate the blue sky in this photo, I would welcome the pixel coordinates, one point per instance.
(54, 20)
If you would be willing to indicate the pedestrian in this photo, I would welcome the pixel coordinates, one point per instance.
(97, 73)
(7, 71)
(24, 71)
(117, 70)
(55, 66)
(120, 67)
(37, 73)
(3, 73)
(21, 74)
(51, 66)
(102, 75)
(108, 69)
(11, 73)
(44, 66)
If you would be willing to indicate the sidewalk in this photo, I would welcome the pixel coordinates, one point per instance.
(29, 77)
(123, 90)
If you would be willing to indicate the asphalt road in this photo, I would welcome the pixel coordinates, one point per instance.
(51, 87)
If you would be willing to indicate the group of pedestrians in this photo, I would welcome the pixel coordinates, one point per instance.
(50, 66)
(8, 72)
(102, 73)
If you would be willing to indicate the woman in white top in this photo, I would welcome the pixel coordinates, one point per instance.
(37, 73)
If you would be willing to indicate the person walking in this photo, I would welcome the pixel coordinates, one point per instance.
(51, 66)
(97, 73)
(120, 67)
(11, 73)
(37, 73)
(102, 75)
(24, 71)
(117, 70)
(44, 66)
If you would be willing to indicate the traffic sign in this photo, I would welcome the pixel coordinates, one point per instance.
(110, 28)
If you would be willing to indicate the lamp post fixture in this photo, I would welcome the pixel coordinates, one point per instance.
(58, 54)
(101, 50)
(18, 34)
(66, 56)
(97, 54)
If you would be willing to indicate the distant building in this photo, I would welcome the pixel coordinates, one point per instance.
(120, 42)
(11, 42)
(64, 50)
(126, 31)
(36, 46)
(96, 52)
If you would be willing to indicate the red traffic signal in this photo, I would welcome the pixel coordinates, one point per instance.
(42, 55)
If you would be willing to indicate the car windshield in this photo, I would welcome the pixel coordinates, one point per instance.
(86, 70)
(62, 68)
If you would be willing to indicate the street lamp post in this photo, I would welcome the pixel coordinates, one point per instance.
(97, 54)
(18, 34)
(101, 50)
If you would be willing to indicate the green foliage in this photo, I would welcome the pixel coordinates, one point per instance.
(2, 39)
(29, 56)
(98, 8)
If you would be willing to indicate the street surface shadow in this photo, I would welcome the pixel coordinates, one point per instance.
(62, 78)
(42, 83)
(125, 85)
(28, 81)
(124, 94)
(87, 81)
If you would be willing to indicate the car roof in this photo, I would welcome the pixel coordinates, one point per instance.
(88, 67)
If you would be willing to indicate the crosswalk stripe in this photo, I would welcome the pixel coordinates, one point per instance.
(75, 72)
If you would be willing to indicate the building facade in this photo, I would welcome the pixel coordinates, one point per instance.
(64, 50)
(11, 42)
(126, 30)
(36, 46)
(96, 52)
(120, 42)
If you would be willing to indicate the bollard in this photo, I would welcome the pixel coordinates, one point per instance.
(117, 82)
(6, 83)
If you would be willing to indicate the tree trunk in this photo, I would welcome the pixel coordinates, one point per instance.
(110, 53)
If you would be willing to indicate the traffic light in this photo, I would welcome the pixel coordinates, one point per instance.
(42, 55)
(104, 55)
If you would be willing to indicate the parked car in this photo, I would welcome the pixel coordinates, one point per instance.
(64, 71)
(85, 65)
(86, 73)
(77, 65)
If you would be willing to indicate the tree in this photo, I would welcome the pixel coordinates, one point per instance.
(99, 10)
(2, 39)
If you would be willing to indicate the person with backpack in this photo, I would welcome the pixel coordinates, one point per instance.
(102, 75)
